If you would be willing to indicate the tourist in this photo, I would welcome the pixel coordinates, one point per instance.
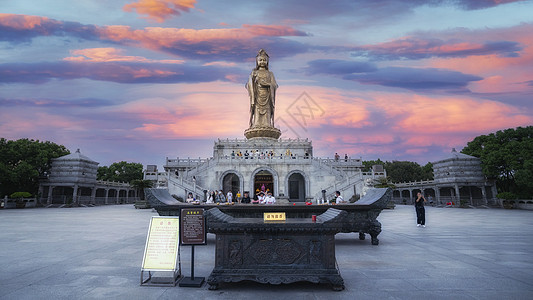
(339, 199)
(346, 157)
(238, 196)
(269, 199)
(190, 198)
(246, 198)
(260, 198)
(420, 210)
(210, 197)
(337, 156)
(220, 197)
(229, 196)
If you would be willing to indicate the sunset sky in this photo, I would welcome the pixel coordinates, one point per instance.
(141, 80)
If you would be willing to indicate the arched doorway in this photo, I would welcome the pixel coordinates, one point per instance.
(297, 187)
(231, 182)
(263, 180)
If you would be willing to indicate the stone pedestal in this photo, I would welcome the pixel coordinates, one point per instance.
(262, 132)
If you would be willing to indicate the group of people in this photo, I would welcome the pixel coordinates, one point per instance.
(337, 157)
(264, 154)
(262, 198)
(218, 196)
(253, 154)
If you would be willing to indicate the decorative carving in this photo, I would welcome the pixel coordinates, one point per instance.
(276, 253)
(235, 253)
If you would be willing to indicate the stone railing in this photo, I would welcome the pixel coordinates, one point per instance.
(414, 183)
(113, 184)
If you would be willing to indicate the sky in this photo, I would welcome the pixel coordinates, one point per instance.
(143, 80)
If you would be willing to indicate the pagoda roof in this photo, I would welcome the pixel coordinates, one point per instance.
(77, 156)
(454, 155)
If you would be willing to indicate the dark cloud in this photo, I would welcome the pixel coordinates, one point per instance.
(237, 44)
(339, 67)
(56, 103)
(41, 27)
(422, 48)
(415, 79)
(113, 72)
(481, 4)
(237, 50)
(363, 11)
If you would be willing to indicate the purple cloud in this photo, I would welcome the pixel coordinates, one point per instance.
(415, 79)
(115, 72)
(422, 48)
(234, 44)
(339, 67)
(56, 103)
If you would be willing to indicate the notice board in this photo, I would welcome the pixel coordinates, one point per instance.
(193, 226)
(161, 250)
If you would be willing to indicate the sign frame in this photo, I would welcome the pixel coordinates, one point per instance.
(162, 247)
(202, 237)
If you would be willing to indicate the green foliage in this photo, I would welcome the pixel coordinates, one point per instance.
(427, 171)
(507, 156)
(367, 164)
(23, 161)
(140, 185)
(121, 172)
(382, 182)
(17, 195)
(402, 171)
(507, 196)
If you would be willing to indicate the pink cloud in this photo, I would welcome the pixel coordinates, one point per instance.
(25, 22)
(111, 55)
(417, 114)
(160, 10)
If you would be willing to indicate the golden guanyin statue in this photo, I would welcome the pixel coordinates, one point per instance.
(261, 88)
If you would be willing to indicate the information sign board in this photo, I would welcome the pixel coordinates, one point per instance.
(193, 226)
(161, 249)
(274, 216)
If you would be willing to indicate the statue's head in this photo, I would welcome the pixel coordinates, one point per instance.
(261, 60)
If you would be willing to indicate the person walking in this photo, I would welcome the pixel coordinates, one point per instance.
(339, 199)
(420, 210)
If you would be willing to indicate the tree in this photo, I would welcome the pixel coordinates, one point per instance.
(404, 171)
(121, 172)
(427, 171)
(506, 156)
(140, 185)
(23, 161)
(367, 164)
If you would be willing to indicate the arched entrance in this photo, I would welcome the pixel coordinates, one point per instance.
(297, 187)
(231, 182)
(263, 181)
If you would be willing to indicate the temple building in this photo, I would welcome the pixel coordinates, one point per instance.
(263, 161)
(458, 178)
(72, 180)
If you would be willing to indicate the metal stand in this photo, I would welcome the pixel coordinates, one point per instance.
(160, 281)
(192, 281)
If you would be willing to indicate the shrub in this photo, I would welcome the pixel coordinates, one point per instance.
(17, 195)
(507, 196)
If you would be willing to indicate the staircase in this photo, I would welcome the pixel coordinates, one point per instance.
(181, 187)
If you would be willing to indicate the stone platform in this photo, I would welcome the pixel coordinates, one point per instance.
(96, 253)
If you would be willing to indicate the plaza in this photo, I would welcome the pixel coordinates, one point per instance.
(96, 253)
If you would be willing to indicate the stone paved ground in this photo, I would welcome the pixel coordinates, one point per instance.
(96, 253)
